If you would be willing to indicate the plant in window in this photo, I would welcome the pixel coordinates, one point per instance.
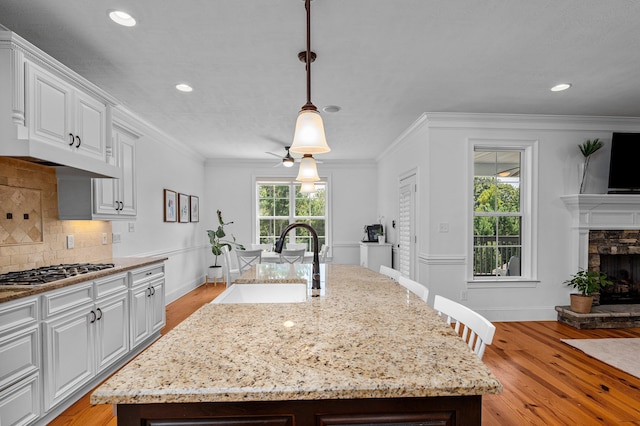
(216, 238)
(588, 148)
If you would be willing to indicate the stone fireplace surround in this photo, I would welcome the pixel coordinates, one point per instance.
(617, 253)
(595, 218)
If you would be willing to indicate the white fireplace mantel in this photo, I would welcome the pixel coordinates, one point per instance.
(599, 211)
(604, 211)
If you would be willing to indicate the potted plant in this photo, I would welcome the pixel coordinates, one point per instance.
(587, 282)
(380, 234)
(216, 238)
(588, 148)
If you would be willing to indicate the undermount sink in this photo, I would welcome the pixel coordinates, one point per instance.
(264, 293)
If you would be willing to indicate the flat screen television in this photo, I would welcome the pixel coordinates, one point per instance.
(624, 173)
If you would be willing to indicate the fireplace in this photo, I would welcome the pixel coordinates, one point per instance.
(617, 254)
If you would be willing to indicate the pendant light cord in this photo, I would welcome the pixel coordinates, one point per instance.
(309, 105)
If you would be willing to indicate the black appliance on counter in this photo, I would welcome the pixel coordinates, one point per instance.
(371, 233)
(47, 274)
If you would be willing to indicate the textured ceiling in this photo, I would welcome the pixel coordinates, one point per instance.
(383, 61)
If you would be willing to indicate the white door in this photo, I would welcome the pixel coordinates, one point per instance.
(406, 227)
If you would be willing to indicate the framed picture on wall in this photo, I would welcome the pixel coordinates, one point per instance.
(170, 205)
(194, 202)
(183, 208)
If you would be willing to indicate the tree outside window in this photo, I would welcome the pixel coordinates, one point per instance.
(498, 218)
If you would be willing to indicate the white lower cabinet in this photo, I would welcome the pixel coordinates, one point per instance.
(86, 338)
(372, 255)
(147, 303)
(54, 344)
(20, 362)
(68, 349)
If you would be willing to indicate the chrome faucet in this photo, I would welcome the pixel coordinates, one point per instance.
(315, 281)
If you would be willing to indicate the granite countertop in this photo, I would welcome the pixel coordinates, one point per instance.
(366, 337)
(8, 293)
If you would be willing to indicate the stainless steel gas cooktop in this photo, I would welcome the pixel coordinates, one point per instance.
(47, 274)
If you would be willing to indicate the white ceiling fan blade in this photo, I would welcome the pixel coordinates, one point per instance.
(274, 154)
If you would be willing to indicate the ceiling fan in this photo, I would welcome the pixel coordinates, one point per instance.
(288, 159)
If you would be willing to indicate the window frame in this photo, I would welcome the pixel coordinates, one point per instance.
(528, 206)
(258, 180)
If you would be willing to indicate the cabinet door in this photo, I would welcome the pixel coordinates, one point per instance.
(68, 354)
(90, 126)
(105, 196)
(49, 107)
(139, 306)
(20, 403)
(157, 314)
(112, 330)
(127, 194)
(364, 256)
(117, 197)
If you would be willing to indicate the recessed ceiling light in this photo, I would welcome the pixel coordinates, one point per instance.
(560, 87)
(122, 18)
(184, 87)
(331, 108)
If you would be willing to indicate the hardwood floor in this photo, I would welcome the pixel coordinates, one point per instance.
(546, 382)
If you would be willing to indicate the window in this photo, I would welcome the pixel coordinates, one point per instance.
(503, 247)
(280, 203)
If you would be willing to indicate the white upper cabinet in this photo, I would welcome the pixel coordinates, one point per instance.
(51, 114)
(117, 197)
(61, 115)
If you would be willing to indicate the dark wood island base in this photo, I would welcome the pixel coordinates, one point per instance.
(444, 410)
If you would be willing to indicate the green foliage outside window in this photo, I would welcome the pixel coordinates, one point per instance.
(277, 208)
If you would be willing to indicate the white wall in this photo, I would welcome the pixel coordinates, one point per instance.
(444, 196)
(164, 163)
(353, 200)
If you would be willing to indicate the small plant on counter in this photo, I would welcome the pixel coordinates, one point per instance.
(216, 238)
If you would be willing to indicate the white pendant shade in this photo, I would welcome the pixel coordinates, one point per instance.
(309, 134)
(307, 188)
(308, 171)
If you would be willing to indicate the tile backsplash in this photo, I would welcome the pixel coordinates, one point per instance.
(28, 241)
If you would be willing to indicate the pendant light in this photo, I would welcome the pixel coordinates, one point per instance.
(308, 172)
(309, 135)
(308, 188)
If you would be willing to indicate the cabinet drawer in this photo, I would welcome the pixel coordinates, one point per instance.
(20, 404)
(19, 355)
(67, 299)
(19, 313)
(110, 285)
(146, 273)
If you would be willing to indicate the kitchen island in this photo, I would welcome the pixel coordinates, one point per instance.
(367, 351)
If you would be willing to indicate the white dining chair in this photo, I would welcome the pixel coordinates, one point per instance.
(296, 246)
(394, 274)
(415, 287)
(472, 327)
(248, 258)
(230, 272)
(263, 247)
(292, 256)
(324, 253)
